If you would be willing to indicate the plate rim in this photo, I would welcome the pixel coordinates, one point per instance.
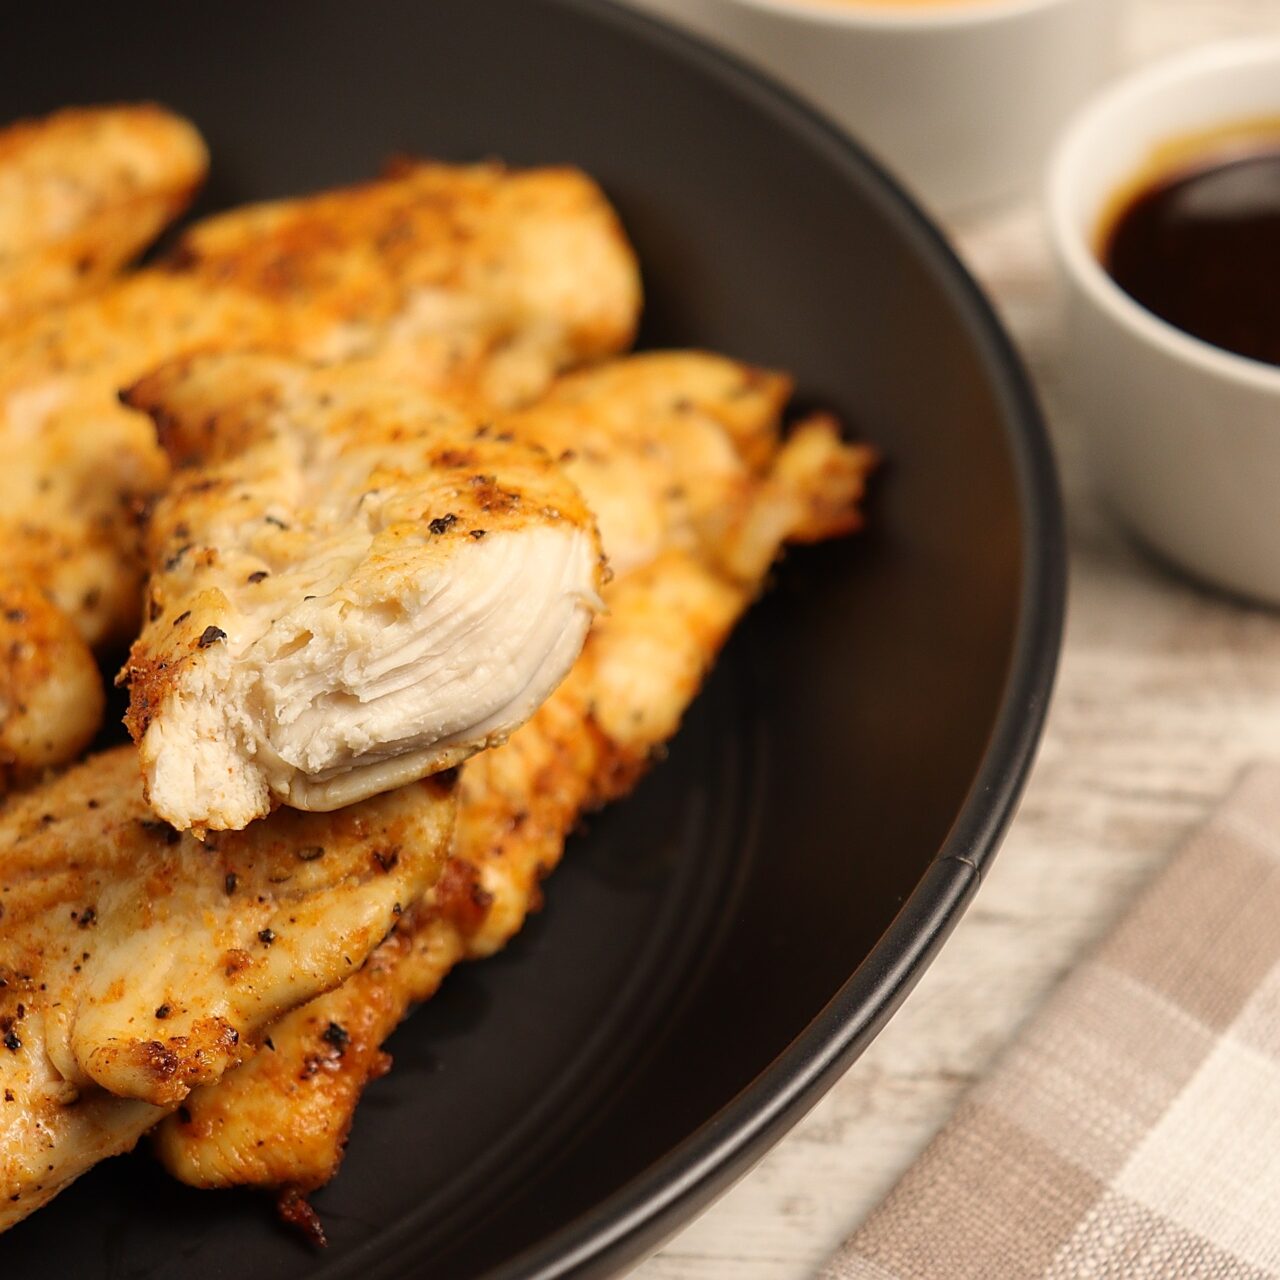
(637, 1218)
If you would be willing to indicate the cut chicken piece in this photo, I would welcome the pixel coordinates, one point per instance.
(518, 804)
(51, 698)
(355, 585)
(82, 192)
(136, 964)
(643, 662)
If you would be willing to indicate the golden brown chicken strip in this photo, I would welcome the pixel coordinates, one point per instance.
(474, 280)
(643, 662)
(354, 585)
(82, 192)
(136, 964)
(51, 697)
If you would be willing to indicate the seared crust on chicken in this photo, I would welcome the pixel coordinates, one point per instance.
(355, 585)
(476, 280)
(51, 697)
(76, 464)
(643, 662)
(82, 192)
(136, 964)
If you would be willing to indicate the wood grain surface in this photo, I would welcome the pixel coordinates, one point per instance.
(1165, 692)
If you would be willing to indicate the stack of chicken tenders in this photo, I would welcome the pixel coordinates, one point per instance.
(413, 565)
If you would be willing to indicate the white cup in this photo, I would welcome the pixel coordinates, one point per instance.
(961, 99)
(1185, 436)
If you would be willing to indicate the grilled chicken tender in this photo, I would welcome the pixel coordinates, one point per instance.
(75, 464)
(475, 280)
(136, 965)
(665, 621)
(356, 585)
(51, 697)
(82, 192)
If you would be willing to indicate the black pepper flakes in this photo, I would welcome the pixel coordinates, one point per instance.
(163, 1012)
(442, 524)
(266, 936)
(181, 618)
(12, 1041)
(477, 534)
(229, 884)
(258, 575)
(88, 917)
(211, 635)
(275, 520)
(338, 1036)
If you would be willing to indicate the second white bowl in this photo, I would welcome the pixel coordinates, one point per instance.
(961, 100)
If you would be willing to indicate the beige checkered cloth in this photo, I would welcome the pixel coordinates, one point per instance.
(1133, 1131)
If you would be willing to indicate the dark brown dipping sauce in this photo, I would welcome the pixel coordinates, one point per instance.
(1201, 249)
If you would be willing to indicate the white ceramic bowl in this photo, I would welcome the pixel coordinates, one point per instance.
(961, 99)
(1185, 436)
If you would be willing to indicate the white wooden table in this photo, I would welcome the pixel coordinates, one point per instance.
(1165, 692)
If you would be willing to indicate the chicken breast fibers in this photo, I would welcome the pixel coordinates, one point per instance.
(136, 964)
(355, 585)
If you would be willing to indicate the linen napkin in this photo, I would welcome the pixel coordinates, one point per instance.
(1133, 1130)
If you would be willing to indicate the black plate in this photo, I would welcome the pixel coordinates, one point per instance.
(717, 949)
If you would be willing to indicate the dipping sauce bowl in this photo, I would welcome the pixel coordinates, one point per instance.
(1184, 435)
